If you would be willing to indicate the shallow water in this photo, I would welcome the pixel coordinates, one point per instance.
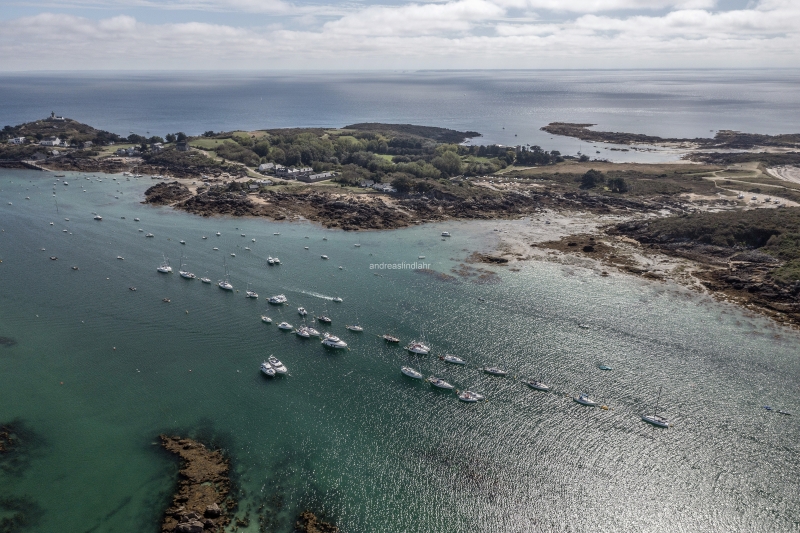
(98, 371)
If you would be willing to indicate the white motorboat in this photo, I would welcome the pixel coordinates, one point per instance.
(583, 399)
(285, 325)
(388, 338)
(275, 363)
(165, 268)
(493, 370)
(265, 319)
(302, 332)
(140, 230)
(136, 220)
(453, 359)
(418, 348)
(445, 234)
(410, 372)
(252, 240)
(120, 257)
(355, 327)
(302, 311)
(278, 299)
(324, 319)
(267, 369)
(233, 255)
(215, 248)
(440, 383)
(324, 256)
(96, 217)
(656, 419)
(251, 294)
(204, 237)
(150, 235)
(243, 235)
(183, 242)
(357, 245)
(305, 247)
(277, 261)
(218, 234)
(537, 385)
(338, 300)
(276, 233)
(205, 280)
(225, 285)
(470, 397)
(332, 341)
(270, 261)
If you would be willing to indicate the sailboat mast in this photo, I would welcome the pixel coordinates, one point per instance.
(658, 400)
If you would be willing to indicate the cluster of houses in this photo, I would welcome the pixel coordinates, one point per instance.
(134, 151)
(381, 187)
(304, 174)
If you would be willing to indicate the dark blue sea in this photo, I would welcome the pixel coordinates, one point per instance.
(507, 107)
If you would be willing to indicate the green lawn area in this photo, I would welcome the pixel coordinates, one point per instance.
(385, 156)
(205, 144)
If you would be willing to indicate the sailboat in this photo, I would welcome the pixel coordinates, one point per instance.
(251, 293)
(165, 268)
(656, 419)
(225, 284)
(185, 273)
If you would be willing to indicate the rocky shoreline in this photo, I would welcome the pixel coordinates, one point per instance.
(202, 500)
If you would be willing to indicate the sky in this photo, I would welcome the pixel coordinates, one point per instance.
(80, 35)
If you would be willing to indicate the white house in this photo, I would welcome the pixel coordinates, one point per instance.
(366, 184)
(52, 141)
(266, 167)
(17, 140)
(384, 187)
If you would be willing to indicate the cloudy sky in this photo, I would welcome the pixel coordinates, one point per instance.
(397, 34)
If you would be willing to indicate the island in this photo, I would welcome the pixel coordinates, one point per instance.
(723, 221)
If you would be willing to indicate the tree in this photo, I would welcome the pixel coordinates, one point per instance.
(592, 179)
(171, 137)
(402, 182)
(181, 136)
(617, 185)
(583, 158)
(448, 163)
(208, 133)
(262, 148)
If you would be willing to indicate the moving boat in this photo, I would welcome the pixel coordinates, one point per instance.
(165, 268)
(355, 327)
(275, 363)
(536, 385)
(278, 299)
(440, 383)
(265, 319)
(389, 338)
(656, 419)
(267, 369)
(337, 299)
(453, 359)
(583, 399)
(470, 397)
(332, 341)
(418, 348)
(493, 370)
(302, 311)
(410, 372)
(285, 325)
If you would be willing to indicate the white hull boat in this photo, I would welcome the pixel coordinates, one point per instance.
(279, 367)
(285, 326)
(267, 369)
(410, 372)
(332, 341)
(493, 370)
(278, 299)
(470, 397)
(418, 348)
(355, 328)
(453, 360)
(265, 319)
(585, 400)
(537, 385)
(440, 383)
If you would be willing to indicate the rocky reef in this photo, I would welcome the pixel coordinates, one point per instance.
(202, 500)
(308, 522)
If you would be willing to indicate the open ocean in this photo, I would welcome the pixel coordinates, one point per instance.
(95, 371)
(507, 107)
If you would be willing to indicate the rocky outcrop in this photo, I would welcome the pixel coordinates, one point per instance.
(308, 522)
(166, 193)
(202, 499)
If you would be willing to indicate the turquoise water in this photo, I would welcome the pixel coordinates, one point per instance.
(99, 371)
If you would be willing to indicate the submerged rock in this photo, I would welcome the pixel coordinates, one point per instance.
(308, 522)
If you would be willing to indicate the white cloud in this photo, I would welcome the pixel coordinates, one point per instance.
(454, 34)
